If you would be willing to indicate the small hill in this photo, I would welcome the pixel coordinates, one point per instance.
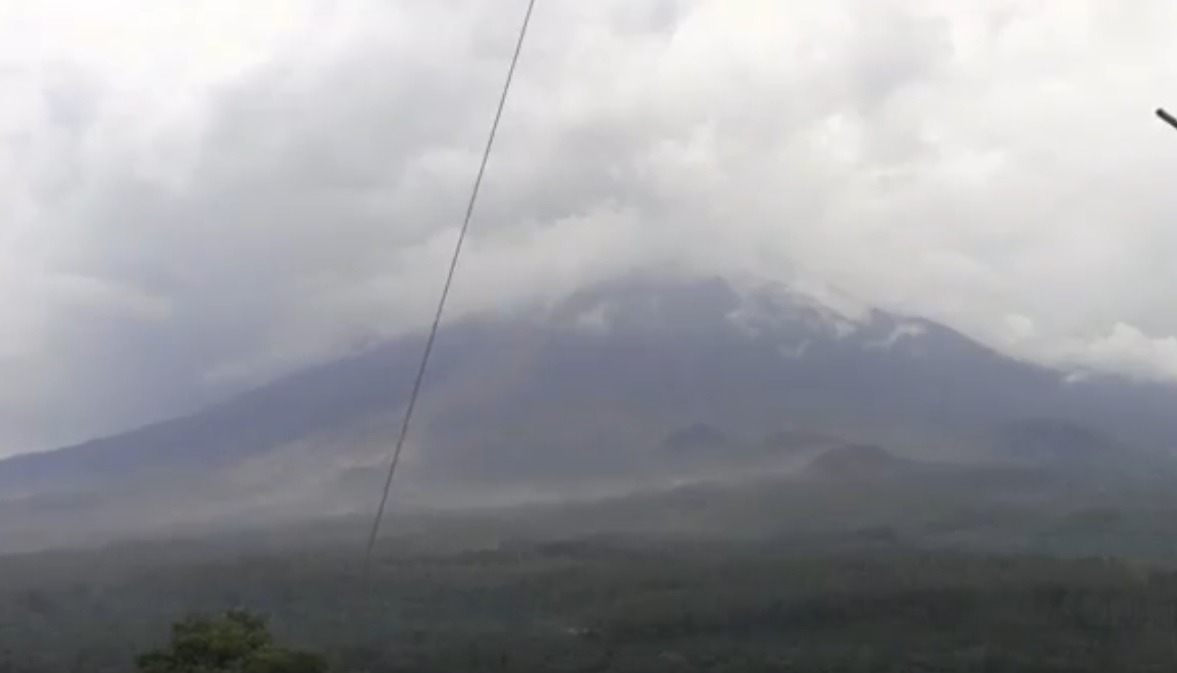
(696, 440)
(787, 442)
(857, 461)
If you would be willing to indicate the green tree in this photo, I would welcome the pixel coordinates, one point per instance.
(236, 642)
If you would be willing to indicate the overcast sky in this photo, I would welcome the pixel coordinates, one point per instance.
(195, 195)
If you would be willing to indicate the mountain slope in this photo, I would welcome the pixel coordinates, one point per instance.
(584, 396)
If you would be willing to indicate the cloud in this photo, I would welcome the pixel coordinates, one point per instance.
(196, 196)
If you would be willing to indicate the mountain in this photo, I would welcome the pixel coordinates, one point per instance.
(622, 387)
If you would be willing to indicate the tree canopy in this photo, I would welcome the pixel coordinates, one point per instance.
(236, 642)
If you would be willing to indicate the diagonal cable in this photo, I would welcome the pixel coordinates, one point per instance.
(445, 292)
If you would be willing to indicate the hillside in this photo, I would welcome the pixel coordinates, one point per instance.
(624, 387)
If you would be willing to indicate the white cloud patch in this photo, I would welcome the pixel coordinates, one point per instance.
(195, 195)
(901, 331)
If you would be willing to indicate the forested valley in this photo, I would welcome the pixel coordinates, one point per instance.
(603, 604)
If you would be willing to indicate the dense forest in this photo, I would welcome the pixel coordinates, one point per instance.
(604, 605)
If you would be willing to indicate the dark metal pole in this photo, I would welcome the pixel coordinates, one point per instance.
(1168, 118)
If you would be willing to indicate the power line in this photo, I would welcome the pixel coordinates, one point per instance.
(445, 292)
(1168, 118)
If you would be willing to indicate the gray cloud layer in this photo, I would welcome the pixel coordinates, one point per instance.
(197, 197)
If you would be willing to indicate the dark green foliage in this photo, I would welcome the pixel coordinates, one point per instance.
(237, 642)
(595, 606)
